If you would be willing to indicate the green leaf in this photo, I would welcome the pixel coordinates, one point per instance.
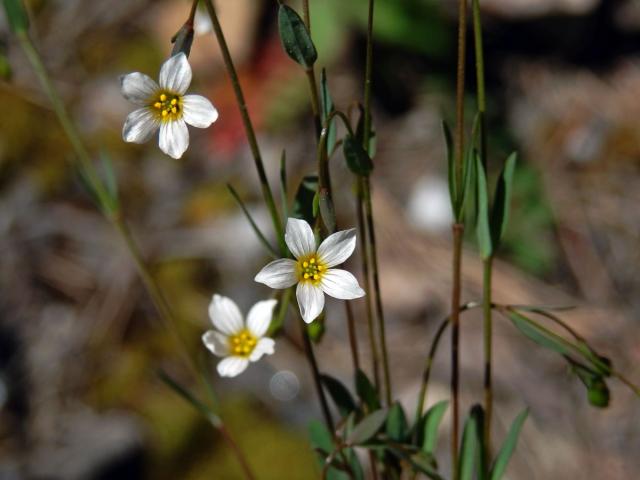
(253, 224)
(357, 158)
(16, 15)
(189, 398)
(327, 108)
(366, 391)
(506, 451)
(322, 441)
(469, 187)
(303, 203)
(295, 37)
(540, 335)
(430, 424)
(367, 427)
(425, 463)
(339, 394)
(502, 200)
(469, 448)
(483, 230)
(397, 426)
(327, 210)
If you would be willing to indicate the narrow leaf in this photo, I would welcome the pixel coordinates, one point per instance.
(322, 442)
(451, 168)
(483, 230)
(430, 424)
(506, 451)
(502, 200)
(357, 158)
(295, 37)
(16, 15)
(540, 335)
(339, 394)
(468, 449)
(327, 108)
(397, 426)
(253, 224)
(284, 192)
(303, 203)
(367, 427)
(366, 391)
(425, 463)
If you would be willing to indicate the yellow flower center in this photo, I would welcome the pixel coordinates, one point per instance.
(168, 106)
(242, 344)
(311, 269)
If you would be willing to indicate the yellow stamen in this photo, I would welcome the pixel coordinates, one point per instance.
(157, 104)
(311, 269)
(242, 343)
(163, 97)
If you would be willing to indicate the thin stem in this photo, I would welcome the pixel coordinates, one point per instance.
(114, 216)
(248, 126)
(367, 79)
(353, 338)
(311, 76)
(487, 312)
(458, 230)
(315, 372)
(459, 140)
(634, 388)
(373, 343)
(192, 12)
(237, 451)
(482, 102)
(376, 287)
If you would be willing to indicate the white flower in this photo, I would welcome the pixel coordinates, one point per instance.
(237, 342)
(165, 107)
(312, 269)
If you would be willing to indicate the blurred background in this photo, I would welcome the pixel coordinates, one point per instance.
(80, 342)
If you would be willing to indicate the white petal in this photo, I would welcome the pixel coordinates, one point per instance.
(232, 366)
(278, 274)
(175, 74)
(216, 342)
(138, 88)
(310, 301)
(265, 346)
(341, 284)
(174, 137)
(225, 315)
(140, 126)
(299, 238)
(259, 317)
(336, 248)
(198, 111)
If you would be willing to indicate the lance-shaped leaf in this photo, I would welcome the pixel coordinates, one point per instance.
(483, 230)
(253, 224)
(469, 447)
(451, 167)
(397, 426)
(367, 428)
(16, 15)
(430, 424)
(541, 335)
(327, 210)
(303, 204)
(339, 394)
(506, 451)
(322, 442)
(295, 37)
(502, 200)
(425, 463)
(366, 391)
(327, 108)
(357, 158)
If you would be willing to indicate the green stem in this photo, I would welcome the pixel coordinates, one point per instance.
(459, 138)
(487, 312)
(104, 198)
(458, 230)
(373, 344)
(482, 102)
(311, 76)
(248, 127)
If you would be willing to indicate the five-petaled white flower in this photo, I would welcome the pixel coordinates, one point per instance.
(165, 107)
(238, 342)
(312, 269)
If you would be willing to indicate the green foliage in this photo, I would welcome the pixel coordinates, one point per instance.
(339, 394)
(357, 158)
(397, 427)
(16, 15)
(429, 425)
(483, 227)
(502, 201)
(295, 37)
(470, 446)
(305, 201)
(327, 108)
(508, 447)
(367, 427)
(366, 391)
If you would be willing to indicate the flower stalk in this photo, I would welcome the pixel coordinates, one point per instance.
(311, 75)
(248, 126)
